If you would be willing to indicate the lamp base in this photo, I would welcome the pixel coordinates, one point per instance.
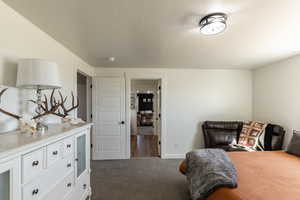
(41, 128)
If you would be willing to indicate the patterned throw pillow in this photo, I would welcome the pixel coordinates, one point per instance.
(250, 134)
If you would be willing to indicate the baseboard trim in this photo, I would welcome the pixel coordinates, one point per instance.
(173, 156)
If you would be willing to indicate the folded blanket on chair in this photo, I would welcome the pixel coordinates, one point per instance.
(208, 170)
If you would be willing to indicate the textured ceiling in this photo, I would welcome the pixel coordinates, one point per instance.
(164, 33)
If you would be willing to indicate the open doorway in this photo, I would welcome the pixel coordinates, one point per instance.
(84, 93)
(145, 109)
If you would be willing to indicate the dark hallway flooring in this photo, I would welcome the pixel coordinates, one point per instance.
(144, 146)
(138, 179)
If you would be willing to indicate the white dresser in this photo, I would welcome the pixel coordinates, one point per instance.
(52, 166)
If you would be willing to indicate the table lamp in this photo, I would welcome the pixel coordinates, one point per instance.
(39, 75)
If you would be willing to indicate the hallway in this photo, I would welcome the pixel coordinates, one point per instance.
(144, 146)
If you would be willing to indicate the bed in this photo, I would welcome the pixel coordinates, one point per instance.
(262, 176)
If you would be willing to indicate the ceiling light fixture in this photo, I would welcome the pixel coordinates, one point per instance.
(213, 23)
(111, 59)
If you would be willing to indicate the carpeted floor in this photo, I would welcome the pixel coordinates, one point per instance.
(138, 179)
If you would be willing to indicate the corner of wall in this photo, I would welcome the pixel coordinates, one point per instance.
(252, 95)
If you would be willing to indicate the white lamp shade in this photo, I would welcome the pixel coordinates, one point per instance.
(36, 73)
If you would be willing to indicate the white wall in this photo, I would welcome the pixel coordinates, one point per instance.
(19, 38)
(277, 94)
(143, 86)
(194, 96)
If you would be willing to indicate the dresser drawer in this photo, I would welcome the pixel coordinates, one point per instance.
(34, 190)
(48, 179)
(82, 187)
(62, 189)
(32, 164)
(68, 146)
(54, 153)
(58, 170)
(68, 184)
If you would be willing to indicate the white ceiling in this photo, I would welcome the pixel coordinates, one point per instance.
(164, 33)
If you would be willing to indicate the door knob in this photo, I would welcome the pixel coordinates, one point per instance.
(122, 122)
(35, 191)
(35, 163)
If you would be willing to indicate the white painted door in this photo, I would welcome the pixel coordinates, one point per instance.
(109, 133)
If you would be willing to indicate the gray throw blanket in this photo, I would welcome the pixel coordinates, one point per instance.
(208, 170)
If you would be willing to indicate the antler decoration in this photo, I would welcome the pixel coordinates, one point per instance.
(6, 112)
(65, 111)
(54, 105)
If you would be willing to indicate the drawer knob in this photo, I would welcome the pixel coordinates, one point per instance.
(68, 146)
(84, 186)
(35, 163)
(35, 191)
(69, 165)
(55, 153)
(69, 184)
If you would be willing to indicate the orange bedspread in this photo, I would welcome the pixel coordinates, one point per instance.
(263, 176)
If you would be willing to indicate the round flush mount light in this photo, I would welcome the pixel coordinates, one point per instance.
(111, 59)
(213, 23)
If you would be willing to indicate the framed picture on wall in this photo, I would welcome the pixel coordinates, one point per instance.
(132, 101)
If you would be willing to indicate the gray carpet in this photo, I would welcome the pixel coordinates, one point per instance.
(138, 179)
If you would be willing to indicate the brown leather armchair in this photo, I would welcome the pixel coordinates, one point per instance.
(274, 137)
(220, 134)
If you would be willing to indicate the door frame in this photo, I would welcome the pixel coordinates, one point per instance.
(89, 94)
(146, 76)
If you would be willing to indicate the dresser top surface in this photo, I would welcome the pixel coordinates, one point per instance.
(16, 141)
